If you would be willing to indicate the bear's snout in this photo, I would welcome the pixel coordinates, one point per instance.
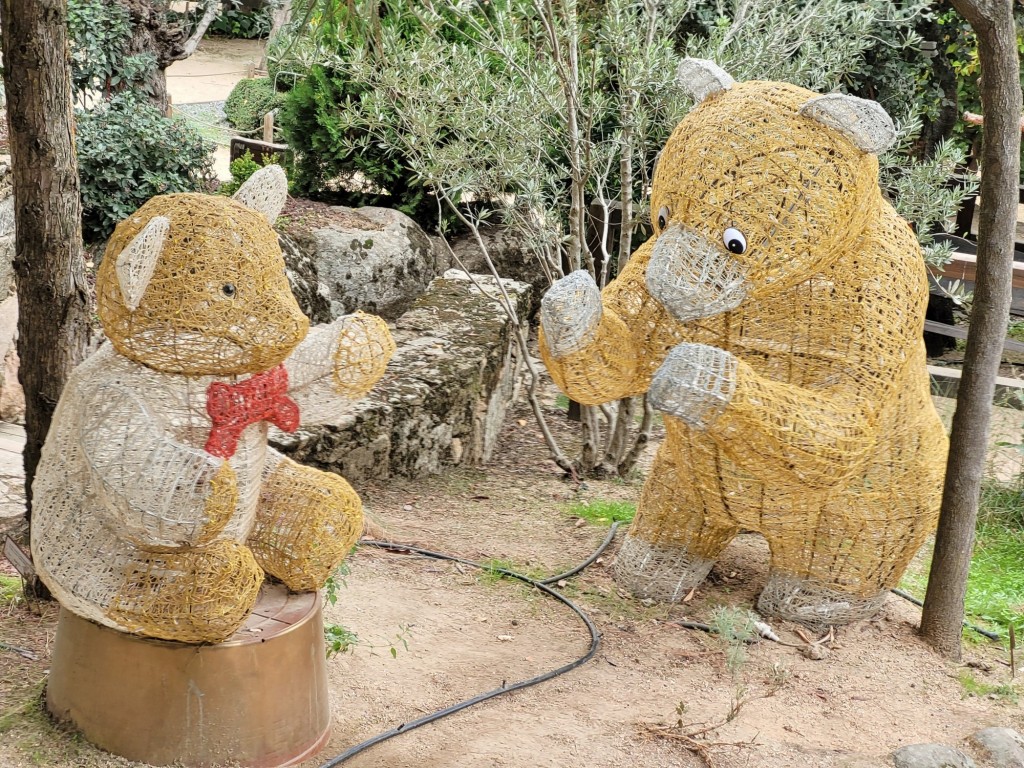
(694, 277)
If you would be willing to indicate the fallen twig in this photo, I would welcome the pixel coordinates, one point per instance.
(698, 747)
(20, 651)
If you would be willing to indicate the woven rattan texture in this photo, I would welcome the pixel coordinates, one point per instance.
(803, 412)
(158, 505)
(218, 299)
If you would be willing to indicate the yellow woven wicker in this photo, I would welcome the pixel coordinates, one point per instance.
(158, 505)
(218, 299)
(775, 317)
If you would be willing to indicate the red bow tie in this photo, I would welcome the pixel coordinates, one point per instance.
(233, 407)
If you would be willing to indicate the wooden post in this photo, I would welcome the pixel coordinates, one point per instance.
(268, 127)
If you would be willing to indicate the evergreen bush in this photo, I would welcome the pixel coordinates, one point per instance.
(249, 101)
(337, 157)
(127, 153)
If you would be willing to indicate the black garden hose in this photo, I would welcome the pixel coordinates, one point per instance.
(542, 585)
(910, 598)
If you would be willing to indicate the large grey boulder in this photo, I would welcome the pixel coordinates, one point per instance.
(12, 396)
(374, 259)
(1003, 747)
(510, 253)
(313, 296)
(6, 232)
(931, 756)
(443, 398)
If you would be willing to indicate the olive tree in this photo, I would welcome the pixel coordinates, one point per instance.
(524, 111)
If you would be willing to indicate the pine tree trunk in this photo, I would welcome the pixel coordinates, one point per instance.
(52, 295)
(943, 614)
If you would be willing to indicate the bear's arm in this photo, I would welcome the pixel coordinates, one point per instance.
(155, 491)
(352, 351)
(823, 434)
(633, 337)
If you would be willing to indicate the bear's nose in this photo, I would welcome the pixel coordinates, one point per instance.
(694, 277)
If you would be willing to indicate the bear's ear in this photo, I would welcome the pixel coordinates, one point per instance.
(265, 191)
(135, 264)
(703, 78)
(863, 122)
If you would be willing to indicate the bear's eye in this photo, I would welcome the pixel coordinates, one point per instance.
(663, 217)
(228, 289)
(734, 240)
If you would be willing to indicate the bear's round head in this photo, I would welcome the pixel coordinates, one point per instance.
(761, 186)
(195, 284)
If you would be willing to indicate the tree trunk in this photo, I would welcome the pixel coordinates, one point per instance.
(943, 614)
(153, 34)
(280, 17)
(53, 322)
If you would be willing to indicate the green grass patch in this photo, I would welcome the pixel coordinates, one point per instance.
(603, 512)
(973, 687)
(995, 582)
(10, 589)
(491, 572)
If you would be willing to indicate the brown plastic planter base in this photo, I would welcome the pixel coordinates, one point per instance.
(258, 699)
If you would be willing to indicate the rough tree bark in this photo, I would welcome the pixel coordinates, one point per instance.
(153, 32)
(53, 322)
(941, 622)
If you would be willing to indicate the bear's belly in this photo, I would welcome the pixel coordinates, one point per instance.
(248, 462)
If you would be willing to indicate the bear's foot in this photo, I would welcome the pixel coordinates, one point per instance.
(813, 604)
(665, 574)
(306, 524)
(198, 595)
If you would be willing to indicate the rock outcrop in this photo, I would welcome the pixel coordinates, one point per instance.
(443, 399)
(374, 259)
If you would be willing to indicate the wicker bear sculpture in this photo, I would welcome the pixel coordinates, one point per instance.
(775, 320)
(158, 505)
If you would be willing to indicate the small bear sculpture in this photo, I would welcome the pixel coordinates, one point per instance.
(775, 320)
(157, 504)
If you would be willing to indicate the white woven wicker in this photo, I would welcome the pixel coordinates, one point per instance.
(157, 503)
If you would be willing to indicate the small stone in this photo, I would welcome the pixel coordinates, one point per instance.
(1004, 746)
(931, 756)
(506, 638)
(407, 507)
(815, 652)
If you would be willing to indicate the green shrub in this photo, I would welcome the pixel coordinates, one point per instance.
(243, 24)
(333, 154)
(127, 153)
(241, 169)
(249, 101)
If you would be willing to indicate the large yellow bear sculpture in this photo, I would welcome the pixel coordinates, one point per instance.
(775, 320)
(158, 505)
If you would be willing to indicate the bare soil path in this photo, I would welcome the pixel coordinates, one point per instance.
(209, 75)
(878, 687)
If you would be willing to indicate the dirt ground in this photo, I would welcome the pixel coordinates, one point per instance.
(209, 75)
(878, 687)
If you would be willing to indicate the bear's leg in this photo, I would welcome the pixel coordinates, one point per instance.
(306, 523)
(839, 570)
(674, 540)
(200, 594)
